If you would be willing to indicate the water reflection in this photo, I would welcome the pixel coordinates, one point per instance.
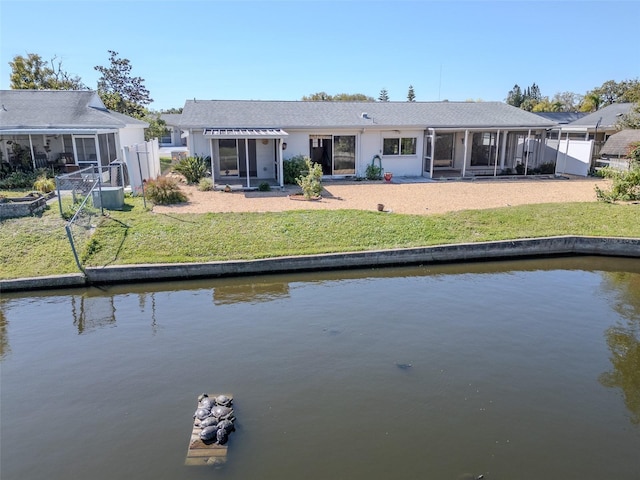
(623, 340)
(4, 339)
(239, 291)
(487, 367)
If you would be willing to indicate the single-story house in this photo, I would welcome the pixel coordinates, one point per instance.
(616, 149)
(62, 129)
(249, 139)
(173, 135)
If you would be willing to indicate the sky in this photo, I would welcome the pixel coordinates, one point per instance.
(283, 50)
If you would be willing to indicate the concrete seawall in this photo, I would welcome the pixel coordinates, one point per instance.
(508, 249)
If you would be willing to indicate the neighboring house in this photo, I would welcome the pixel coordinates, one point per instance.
(616, 149)
(62, 129)
(250, 139)
(583, 138)
(173, 136)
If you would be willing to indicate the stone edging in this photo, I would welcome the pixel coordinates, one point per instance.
(545, 247)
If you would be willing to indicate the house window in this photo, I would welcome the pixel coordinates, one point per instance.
(86, 149)
(399, 146)
(483, 149)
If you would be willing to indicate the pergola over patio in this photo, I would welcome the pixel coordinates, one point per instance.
(247, 134)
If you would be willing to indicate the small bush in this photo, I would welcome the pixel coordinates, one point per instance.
(205, 184)
(546, 168)
(625, 185)
(44, 184)
(311, 181)
(293, 168)
(164, 191)
(264, 187)
(373, 172)
(18, 180)
(193, 168)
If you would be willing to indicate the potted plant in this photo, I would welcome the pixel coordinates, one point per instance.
(388, 176)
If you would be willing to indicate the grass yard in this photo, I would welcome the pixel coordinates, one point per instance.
(38, 246)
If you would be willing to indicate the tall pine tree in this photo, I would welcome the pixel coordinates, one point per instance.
(411, 95)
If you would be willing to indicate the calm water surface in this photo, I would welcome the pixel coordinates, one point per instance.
(514, 370)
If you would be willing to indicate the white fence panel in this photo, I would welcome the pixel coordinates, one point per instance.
(143, 163)
(574, 157)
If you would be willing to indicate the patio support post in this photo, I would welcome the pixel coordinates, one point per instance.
(433, 151)
(280, 164)
(213, 163)
(503, 150)
(98, 159)
(33, 155)
(464, 163)
(246, 160)
(526, 150)
(495, 167)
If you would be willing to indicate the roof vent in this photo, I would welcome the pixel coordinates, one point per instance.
(364, 115)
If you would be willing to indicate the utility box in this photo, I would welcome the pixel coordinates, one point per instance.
(112, 198)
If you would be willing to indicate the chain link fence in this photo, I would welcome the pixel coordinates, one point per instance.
(81, 203)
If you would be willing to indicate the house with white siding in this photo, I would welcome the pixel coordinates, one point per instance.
(249, 140)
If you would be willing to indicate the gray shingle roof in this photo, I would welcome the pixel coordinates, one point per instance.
(171, 118)
(562, 117)
(299, 114)
(618, 143)
(41, 109)
(608, 116)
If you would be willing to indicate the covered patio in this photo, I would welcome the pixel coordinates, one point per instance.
(246, 156)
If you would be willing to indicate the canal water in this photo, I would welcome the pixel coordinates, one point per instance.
(511, 370)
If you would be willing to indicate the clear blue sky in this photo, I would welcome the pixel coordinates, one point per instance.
(283, 50)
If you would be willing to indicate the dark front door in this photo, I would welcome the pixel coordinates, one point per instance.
(320, 148)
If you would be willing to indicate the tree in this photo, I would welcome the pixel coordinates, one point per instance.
(33, 73)
(611, 92)
(340, 97)
(514, 97)
(157, 127)
(411, 95)
(570, 101)
(631, 119)
(352, 97)
(120, 91)
(318, 97)
(384, 95)
(546, 105)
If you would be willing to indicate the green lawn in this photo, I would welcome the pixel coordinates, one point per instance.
(38, 246)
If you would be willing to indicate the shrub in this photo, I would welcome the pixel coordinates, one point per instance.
(546, 168)
(18, 180)
(164, 191)
(293, 168)
(311, 181)
(205, 184)
(193, 168)
(44, 184)
(264, 187)
(625, 185)
(373, 172)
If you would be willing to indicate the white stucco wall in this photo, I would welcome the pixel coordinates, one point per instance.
(368, 144)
